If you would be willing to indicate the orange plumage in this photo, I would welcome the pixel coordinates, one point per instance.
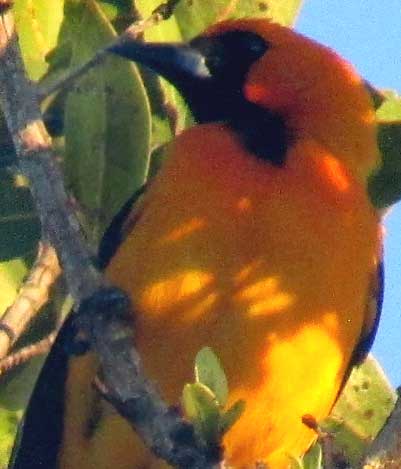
(269, 264)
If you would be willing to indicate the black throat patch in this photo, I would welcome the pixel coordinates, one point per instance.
(220, 97)
(262, 132)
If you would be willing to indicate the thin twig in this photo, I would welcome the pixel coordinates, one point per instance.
(68, 81)
(33, 294)
(27, 353)
(162, 12)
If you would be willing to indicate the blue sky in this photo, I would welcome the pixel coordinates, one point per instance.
(368, 34)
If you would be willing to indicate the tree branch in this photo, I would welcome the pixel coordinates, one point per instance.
(27, 353)
(106, 320)
(37, 162)
(33, 294)
(108, 326)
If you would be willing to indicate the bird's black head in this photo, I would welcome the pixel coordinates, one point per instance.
(210, 72)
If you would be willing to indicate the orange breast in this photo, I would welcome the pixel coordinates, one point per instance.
(269, 266)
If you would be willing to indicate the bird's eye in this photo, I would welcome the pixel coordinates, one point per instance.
(229, 55)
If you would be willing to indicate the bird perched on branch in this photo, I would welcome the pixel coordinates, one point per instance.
(256, 238)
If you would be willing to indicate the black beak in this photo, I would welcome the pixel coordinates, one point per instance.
(181, 64)
(209, 71)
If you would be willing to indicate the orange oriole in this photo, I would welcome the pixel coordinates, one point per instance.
(256, 238)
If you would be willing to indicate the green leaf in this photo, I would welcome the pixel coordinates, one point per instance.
(313, 459)
(362, 409)
(390, 109)
(279, 11)
(195, 16)
(367, 399)
(11, 274)
(228, 418)
(385, 184)
(38, 23)
(202, 410)
(19, 225)
(166, 30)
(209, 372)
(204, 400)
(8, 425)
(107, 123)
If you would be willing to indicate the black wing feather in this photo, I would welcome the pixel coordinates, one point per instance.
(40, 436)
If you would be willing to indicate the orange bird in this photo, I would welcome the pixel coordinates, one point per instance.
(256, 238)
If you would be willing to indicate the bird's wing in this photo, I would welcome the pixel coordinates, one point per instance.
(372, 313)
(121, 225)
(40, 435)
(373, 308)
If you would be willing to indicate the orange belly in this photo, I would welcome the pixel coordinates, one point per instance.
(268, 266)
